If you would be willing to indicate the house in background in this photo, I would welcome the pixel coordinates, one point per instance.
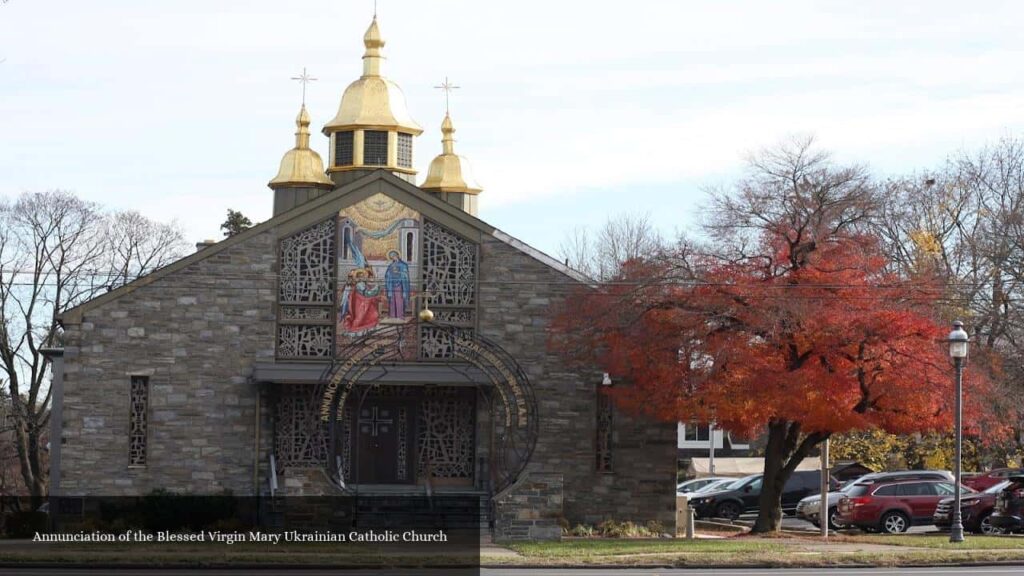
(694, 441)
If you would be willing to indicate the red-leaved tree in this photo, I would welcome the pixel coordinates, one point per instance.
(792, 328)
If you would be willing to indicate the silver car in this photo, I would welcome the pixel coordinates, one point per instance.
(810, 508)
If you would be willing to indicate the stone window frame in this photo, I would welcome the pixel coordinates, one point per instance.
(145, 378)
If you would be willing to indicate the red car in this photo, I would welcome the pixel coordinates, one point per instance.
(894, 506)
(986, 480)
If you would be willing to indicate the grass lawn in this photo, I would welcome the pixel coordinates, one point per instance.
(940, 541)
(736, 551)
(615, 547)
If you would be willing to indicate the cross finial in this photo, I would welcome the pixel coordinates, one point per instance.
(448, 87)
(304, 79)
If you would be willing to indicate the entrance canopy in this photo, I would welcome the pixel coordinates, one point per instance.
(701, 467)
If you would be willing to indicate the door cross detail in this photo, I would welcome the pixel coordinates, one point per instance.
(375, 421)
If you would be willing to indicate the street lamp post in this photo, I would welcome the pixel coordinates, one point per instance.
(958, 340)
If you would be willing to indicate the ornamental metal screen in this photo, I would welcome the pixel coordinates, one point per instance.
(138, 421)
(306, 293)
(603, 444)
(449, 280)
(447, 426)
(296, 442)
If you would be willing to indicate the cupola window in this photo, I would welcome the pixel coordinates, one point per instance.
(343, 148)
(404, 150)
(375, 148)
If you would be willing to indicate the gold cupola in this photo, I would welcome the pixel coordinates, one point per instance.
(450, 176)
(302, 171)
(373, 128)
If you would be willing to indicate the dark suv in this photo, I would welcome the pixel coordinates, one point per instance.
(1009, 510)
(743, 496)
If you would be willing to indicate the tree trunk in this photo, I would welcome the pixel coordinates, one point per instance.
(783, 453)
(769, 515)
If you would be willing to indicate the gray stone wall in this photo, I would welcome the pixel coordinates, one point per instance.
(530, 509)
(517, 294)
(195, 333)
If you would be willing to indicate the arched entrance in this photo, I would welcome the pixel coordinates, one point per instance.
(381, 433)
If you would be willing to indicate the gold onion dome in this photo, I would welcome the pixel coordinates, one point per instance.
(373, 101)
(301, 166)
(450, 172)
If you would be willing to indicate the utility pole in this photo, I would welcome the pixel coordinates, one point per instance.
(823, 509)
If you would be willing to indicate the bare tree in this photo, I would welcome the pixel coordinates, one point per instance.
(964, 224)
(57, 251)
(137, 245)
(622, 238)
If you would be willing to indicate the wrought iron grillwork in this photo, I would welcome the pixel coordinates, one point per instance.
(403, 444)
(138, 421)
(449, 277)
(513, 405)
(603, 444)
(447, 429)
(297, 440)
(307, 292)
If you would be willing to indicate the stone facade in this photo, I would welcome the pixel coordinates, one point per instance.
(517, 298)
(197, 332)
(530, 509)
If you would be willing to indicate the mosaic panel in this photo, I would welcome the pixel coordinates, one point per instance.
(378, 265)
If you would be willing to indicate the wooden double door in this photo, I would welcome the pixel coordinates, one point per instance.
(385, 441)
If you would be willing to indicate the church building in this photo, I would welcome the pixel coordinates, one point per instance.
(374, 337)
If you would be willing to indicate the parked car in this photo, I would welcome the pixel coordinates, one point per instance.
(743, 496)
(1008, 513)
(809, 508)
(893, 506)
(986, 480)
(712, 487)
(698, 483)
(975, 510)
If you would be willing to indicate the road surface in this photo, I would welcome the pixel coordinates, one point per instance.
(952, 571)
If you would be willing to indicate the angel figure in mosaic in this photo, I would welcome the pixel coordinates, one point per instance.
(360, 299)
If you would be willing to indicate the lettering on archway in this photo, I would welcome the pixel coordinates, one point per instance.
(513, 405)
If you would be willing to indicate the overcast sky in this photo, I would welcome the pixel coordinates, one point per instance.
(570, 111)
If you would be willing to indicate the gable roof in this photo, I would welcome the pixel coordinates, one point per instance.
(315, 210)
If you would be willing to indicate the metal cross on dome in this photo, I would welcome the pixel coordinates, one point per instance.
(304, 79)
(448, 87)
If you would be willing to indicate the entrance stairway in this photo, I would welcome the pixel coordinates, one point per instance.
(444, 509)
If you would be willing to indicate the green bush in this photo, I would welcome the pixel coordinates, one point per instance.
(166, 510)
(25, 523)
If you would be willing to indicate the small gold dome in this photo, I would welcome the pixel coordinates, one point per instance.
(372, 101)
(301, 166)
(450, 172)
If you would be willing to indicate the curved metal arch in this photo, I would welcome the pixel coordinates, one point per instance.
(513, 404)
